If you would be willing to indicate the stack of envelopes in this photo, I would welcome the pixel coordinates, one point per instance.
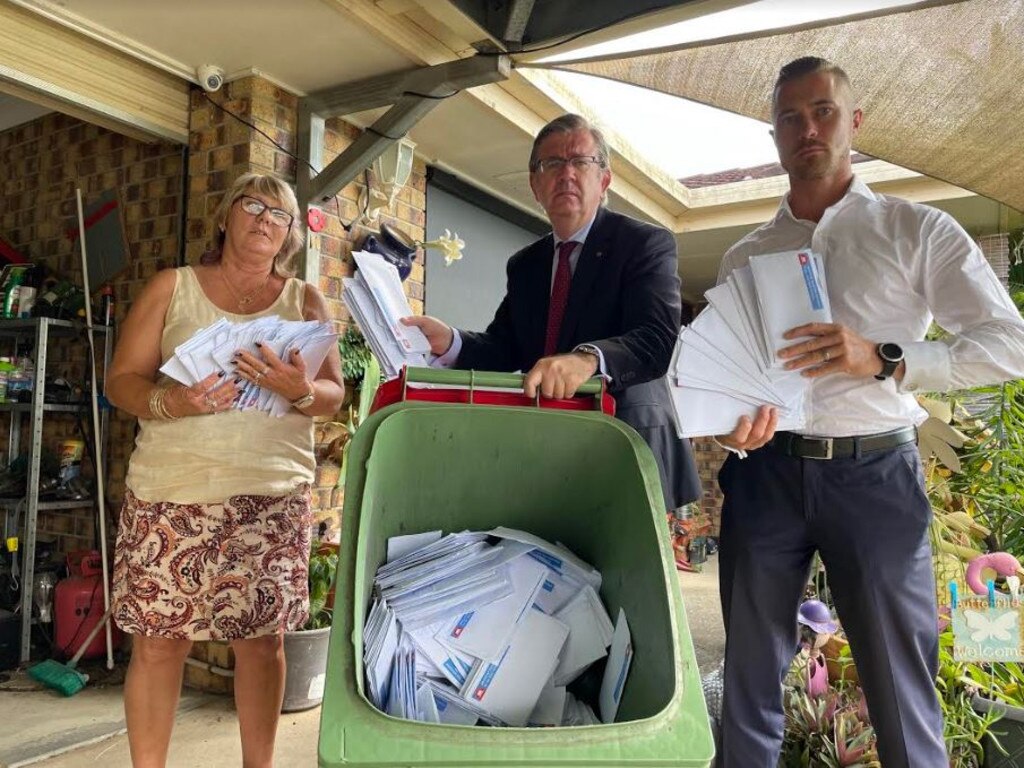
(725, 363)
(212, 350)
(377, 302)
(489, 627)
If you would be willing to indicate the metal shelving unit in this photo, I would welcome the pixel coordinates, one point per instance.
(41, 330)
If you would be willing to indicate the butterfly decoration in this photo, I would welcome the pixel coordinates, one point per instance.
(991, 625)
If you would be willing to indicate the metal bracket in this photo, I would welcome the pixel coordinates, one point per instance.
(411, 94)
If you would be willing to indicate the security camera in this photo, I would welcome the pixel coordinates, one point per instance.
(211, 77)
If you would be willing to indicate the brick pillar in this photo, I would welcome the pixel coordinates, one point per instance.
(709, 457)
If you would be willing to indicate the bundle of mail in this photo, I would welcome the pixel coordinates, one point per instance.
(725, 364)
(377, 302)
(212, 350)
(489, 627)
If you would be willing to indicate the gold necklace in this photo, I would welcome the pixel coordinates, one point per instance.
(244, 300)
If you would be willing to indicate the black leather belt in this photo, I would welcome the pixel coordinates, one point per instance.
(809, 447)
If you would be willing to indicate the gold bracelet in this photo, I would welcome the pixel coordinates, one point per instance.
(306, 400)
(158, 406)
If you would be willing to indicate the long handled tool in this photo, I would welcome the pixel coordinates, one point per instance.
(97, 441)
(64, 677)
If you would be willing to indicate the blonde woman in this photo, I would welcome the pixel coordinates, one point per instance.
(213, 539)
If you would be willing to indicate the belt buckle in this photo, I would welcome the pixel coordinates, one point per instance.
(826, 443)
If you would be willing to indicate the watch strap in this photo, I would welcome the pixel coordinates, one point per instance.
(888, 366)
(589, 349)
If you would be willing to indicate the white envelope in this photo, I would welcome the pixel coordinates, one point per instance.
(426, 706)
(557, 590)
(550, 706)
(453, 666)
(385, 286)
(486, 632)
(557, 558)
(590, 632)
(398, 546)
(510, 687)
(741, 283)
(701, 412)
(791, 291)
(619, 659)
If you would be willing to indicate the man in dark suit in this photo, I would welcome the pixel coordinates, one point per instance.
(598, 295)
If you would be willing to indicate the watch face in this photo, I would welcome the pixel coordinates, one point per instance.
(891, 352)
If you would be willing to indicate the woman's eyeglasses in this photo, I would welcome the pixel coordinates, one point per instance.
(254, 207)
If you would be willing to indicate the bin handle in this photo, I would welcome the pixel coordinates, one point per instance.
(472, 379)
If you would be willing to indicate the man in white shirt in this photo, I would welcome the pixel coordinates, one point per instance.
(850, 485)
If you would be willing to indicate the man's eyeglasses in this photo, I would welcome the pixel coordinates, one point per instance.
(254, 207)
(581, 163)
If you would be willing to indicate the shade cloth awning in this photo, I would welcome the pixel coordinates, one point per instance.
(941, 84)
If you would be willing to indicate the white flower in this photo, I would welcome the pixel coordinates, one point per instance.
(449, 244)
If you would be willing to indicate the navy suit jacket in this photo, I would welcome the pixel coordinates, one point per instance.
(624, 298)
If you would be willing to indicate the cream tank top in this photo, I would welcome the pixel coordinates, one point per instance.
(207, 459)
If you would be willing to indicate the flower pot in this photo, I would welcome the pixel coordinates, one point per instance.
(305, 654)
(1009, 730)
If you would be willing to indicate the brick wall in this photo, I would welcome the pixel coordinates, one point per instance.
(41, 164)
(709, 457)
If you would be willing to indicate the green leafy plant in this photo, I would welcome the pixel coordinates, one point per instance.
(366, 380)
(965, 728)
(323, 565)
(355, 355)
(829, 731)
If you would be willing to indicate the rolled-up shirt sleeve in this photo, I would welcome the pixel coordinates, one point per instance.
(986, 332)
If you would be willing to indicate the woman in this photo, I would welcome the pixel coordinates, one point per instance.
(213, 540)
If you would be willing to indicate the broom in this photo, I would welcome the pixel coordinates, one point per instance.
(64, 677)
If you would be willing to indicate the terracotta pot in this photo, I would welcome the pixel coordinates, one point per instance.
(839, 667)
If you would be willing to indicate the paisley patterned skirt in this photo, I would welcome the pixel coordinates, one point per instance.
(224, 571)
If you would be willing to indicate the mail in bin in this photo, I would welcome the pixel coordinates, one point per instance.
(580, 478)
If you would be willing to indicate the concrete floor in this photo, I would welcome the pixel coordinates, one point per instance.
(88, 729)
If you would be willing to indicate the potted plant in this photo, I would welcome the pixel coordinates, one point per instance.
(362, 375)
(305, 650)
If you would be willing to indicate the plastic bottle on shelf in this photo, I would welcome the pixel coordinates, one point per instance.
(28, 291)
(6, 367)
(21, 380)
(14, 275)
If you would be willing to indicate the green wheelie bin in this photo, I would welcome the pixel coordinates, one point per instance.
(580, 478)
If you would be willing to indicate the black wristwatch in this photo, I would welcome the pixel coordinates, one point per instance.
(891, 356)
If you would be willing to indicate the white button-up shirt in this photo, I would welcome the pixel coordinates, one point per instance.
(892, 267)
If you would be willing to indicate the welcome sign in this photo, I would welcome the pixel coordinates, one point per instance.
(987, 629)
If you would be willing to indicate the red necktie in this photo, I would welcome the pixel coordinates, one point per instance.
(559, 297)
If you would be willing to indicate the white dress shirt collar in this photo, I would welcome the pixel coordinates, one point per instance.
(857, 188)
(579, 236)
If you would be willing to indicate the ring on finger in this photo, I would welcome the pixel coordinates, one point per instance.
(825, 355)
(257, 377)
